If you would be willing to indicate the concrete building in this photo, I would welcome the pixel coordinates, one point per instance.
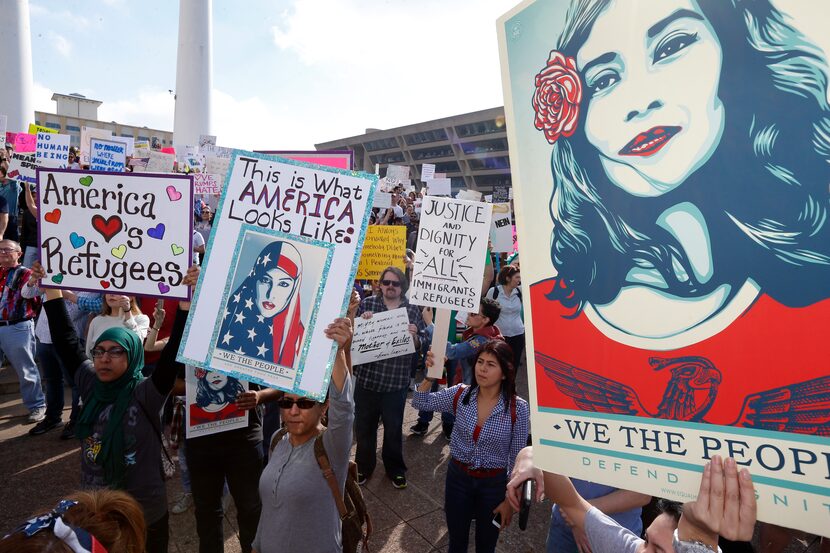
(75, 111)
(470, 148)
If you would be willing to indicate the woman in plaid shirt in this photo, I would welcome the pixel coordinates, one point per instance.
(491, 427)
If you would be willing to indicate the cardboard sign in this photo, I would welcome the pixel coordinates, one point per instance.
(88, 133)
(25, 143)
(439, 187)
(383, 336)
(501, 194)
(211, 402)
(23, 167)
(450, 254)
(160, 162)
(427, 171)
(205, 183)
(385, 245)
(107, 155)
(34, 129)
(501, 229)
(52, 150)
(672, 311)
(124, 233)
(280, 266)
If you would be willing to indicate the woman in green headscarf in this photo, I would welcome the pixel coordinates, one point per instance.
(119, 427)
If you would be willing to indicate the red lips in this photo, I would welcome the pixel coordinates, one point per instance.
(268, 305)
(649, 142)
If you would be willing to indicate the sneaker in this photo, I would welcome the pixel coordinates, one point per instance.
(68, 431)
(36, 415)
(420, 428)
(44, 426)
(361, 478)
(183, 504)
(447, 430)
(399, 482)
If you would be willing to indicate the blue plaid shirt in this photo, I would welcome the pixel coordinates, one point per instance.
(393, 374)
(499, 440)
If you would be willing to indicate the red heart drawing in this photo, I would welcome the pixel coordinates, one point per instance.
(105, 284)
(53, 216)
(109, 227)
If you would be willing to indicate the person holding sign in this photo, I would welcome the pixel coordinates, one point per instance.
(491, 428)
(119, 426)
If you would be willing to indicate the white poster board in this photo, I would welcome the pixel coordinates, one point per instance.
(501, 229)
(211, 402)
(450, 254)
(23, 167)
(206, 183)
(126, 233)
(160, 162)
(217, 166)
(52, 150)
(207, 140)
(382, 200)
(88, 133)
(107, 155)
(397, 172)
(439, 187)
(427, 171)
(311, 220)
(383, 336)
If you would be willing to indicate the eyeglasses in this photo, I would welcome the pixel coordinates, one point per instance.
(302, 403)
(393, 283)
(8, 250)
(113, 353)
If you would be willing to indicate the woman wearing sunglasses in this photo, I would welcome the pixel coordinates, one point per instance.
(119, 426)
(298, 510)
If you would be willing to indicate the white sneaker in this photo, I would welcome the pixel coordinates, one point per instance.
(36, 415)
(183, 504)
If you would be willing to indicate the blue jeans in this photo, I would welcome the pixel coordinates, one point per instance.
(54, 373)
(17, 343)
(369, 408)
(467, 498)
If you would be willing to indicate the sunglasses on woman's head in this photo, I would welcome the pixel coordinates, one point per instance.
(302, 403)
(394, 283)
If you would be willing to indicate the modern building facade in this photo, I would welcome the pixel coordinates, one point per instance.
(470, 148)
(75, 111)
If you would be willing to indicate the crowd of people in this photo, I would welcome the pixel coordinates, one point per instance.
(121, 365)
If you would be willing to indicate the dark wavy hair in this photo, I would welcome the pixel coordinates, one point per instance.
(205, 395)
(763, 193)
(502, 351)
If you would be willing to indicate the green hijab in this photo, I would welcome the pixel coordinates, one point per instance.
(118, 393)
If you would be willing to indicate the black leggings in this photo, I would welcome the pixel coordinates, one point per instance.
(158, 535)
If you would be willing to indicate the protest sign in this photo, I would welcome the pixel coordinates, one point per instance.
(672, 311)
(307, 223)
(501, 194)
(189, 160)
(385, 245)
(382, 200)
(217, 166)
(439, 187)
(52, 150)
(450, 254)
(129, 144)
(211, 402)
(427, 171)
(440, 176)
(88, 133)
(342, 159)
(207, 140)
(383, 336)
(10, 137)
(397, 172)
(205, 183)
(34, 129)
(125, 233)
(472, 195)
(501, 229)
(160, 162)
(488, 198)
(515, 240)
(4, 123)
(23, 167)
(25, 143)
(107, 155)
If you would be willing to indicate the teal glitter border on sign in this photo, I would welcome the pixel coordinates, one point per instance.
(312, 322)
(360, 237)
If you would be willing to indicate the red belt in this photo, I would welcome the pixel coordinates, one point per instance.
(478, 473)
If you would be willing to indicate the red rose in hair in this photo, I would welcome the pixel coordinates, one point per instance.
(557, 97)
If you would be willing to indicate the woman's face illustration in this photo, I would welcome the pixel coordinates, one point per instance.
(273, 291)
(653, 110)
(216, 380)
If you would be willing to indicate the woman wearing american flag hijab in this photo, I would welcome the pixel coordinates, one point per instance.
(263, 314)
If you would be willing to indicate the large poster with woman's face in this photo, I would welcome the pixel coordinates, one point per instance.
(671, 165)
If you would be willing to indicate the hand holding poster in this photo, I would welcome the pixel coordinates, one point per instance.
(383, 336)
(385, 245)
(211, 402)
(107, 155)
(115, 232)
(281, 260)
(450, 254)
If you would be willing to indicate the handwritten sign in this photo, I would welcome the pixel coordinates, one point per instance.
(385, 245)
(427, 171)
(217, 166)
(501, 194)
(160, 162)
(501, 229)
(25, 143)
(397, 172)
(310, 221)
(211, 402)
(88, 133)
(205, 183)
(34, 129)
(126, 233)
(450, 254)
(52, 150)
(23, 167)
(439, 187)
(207, 140)
(107, 155)
(383, 336)
(382, 200)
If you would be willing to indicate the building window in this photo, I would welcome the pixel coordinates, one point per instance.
(382, 144)
(394, 157)
(51, 125)
(127, 134)
(73, 128)
(493, 180)
(485, 146)
(426, 137)
(144, 138)
(500, 162)
(447, 167)
(431, 153)
(481, 127)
